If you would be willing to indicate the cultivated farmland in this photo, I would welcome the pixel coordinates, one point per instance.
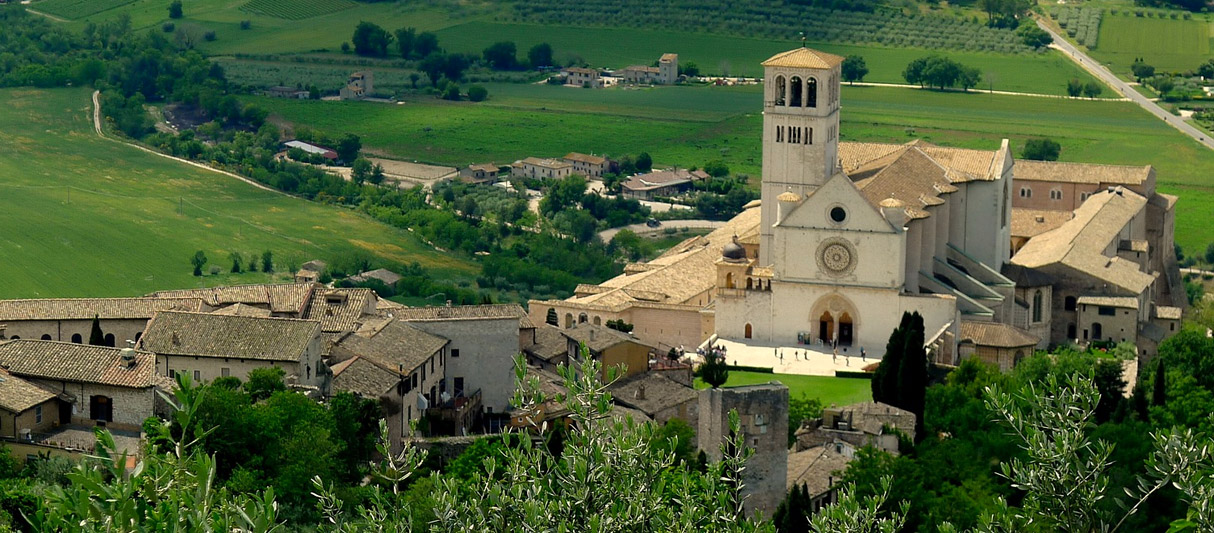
(76, 9)
(296, 9)
(86, 216)
(1166, 43)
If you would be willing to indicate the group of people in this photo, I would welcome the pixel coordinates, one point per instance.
(799, 354)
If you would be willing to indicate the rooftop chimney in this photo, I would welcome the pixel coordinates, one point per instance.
(175, 340)
(640, 393)
(592, 334)
(128, 357)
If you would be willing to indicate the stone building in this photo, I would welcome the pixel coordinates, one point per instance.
(858, 425)
(208, 346)
(666, 73)
(658, 396)
(25, 408)
(359, 85)
(609, 347)
(287, 300)
(661, 183)
(93, 384)
(819, 469)
(545, 169)
(763, 410)
(1003, 345)
(71, 319)
(583, 77)
(591, 166)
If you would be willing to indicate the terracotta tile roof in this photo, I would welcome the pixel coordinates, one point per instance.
(597, 338)
(384, 275)
(18, 395)
(996, 335)
(279, 297)
(1080, 242)
(1126, 302)
(465, 312)
(803, 58)
(237, 337)
(549, 345)
(86, 308)
(651, 392)
(912, 177)
(363, 377)
(584, 158)
(546, 163)
(394, 345)
(242, 310)
(861, 160)
(815, 468)
(669, 57)
(82, 363)
(339, 309)
(1034, 222)
(1167, 312)
(1055, 171)
(663, 178)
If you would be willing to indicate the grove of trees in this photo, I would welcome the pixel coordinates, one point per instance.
(941, 72)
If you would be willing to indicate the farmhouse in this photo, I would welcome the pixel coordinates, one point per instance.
(661, 183)
(848, 236)
(287, 92)
(666, 73)
(583, 77)
(359, 85)
(591, 166)
(536, 168)
(207, 346)
(483, 173)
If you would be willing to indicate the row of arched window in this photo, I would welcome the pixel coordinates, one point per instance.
(752, 284)
(796, 93)
(109, 339)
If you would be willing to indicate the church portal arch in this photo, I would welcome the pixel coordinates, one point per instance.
(835, 318)
(826, 327)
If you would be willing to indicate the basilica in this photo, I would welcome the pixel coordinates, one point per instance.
(999, 256)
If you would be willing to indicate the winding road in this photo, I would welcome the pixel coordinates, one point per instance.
(1098, 70)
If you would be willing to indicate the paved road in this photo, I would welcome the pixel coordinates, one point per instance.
(607, 234)
(986, 91)
(1098, 70)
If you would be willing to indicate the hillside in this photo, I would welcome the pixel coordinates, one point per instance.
(85, 216)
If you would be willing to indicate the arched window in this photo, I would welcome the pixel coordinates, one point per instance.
(811, 93)
(109, 340)
(1037, 306)
(781, 88)
(76, 338)
(582, 318)
(748, 331)
(729, 280)
(598, 321)
(46, 337)
(568, 320)
(1097, 331)
(551, 317)
(794, 97)
(1068, 303)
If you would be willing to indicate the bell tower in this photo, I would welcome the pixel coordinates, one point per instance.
(800, 129)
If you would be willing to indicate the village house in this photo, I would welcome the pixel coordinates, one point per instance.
(341, 310)
(536, 168)
(859, 425)
(482, 173)
(312, 149)
(583, 77)
(92, 384)
(591, 166)
(547, 349)
(71, 319)
(207, 346)
(25, 409)
(661, 183)
(819, 470)
(1003, 345)
(281, 91)
(310, 272)
(359, 85)
(666, 73)
(658, 396)
(382, 275)
(609, 347)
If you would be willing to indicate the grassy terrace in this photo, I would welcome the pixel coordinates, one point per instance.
(1169, 45)
(828, 390)
(85, 216)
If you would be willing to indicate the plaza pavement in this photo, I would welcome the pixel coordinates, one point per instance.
(814, 360)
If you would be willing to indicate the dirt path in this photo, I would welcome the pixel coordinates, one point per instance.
(987, 91)
(97, 128)
(47, 15)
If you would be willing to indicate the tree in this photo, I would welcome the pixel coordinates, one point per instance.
(540, 55)
(175, 11)
(264, 382)
(237, 266)
(371, 40)
(361, 170)
(716, 168)
(689, 69)
(413, 77)
(348, 147)
(1041, 149)
(563, 194)
(501, 55)
(452, 93)
(913, 73)
(432, 65)
(1164, 85)
(199, 260)
(854, 69)
(1092, 89)
(1035, 37)
(714, 371)
(377, 174)
(404, 41)
(941, 72)
(1206, 70)
(1159, 393)
(901, 377)
(267, 261)
(970, 76)
(96, 336)
(454, 66)
(477, 93)
(644, 163)
(1209, 255)
(1141, 70)
(424, 44)
(1074, 87)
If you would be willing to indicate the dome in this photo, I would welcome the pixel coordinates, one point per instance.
(788, 196)
(733, 250)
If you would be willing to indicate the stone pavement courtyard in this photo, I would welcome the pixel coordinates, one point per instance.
(809, 360)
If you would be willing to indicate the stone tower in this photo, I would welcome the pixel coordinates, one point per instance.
(800, 129)
(763, 414)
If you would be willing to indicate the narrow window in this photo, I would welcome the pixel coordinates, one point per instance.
(779, 134)
(811, 136)
(197, 375)
(38, 414)
(794, 99)
(781, 88)
(811, 93)
(1037, 306)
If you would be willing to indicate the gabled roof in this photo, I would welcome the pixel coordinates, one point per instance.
(549, 344)
(1034, 222)
(803, 58)
(339, 309)
(1054, 171)
(465, 312)
(242, 310)
(18, 395)
(546, 163)
(584, 158)
(237, 337)
(815, 468)
(364, 377)
(394, 345)
(81, 363)
(86, 308)
(1125, 302)
(597, 338)
(651, 392)
(1026, 277)
(996, 334)
(279, 297)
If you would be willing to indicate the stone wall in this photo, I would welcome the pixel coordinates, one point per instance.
(63, 330)
(763, 412)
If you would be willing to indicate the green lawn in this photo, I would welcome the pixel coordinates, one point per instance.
(1168, 45)
(85, 216)
(828, 390)
(691, 125)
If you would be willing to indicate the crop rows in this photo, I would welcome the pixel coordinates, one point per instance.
(78, 9)
(1081, 23)
(773, 19)
(296, 9)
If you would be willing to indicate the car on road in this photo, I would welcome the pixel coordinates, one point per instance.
(653, 223)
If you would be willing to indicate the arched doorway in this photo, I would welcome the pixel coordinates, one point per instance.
(1097, 332)
(845, 329)
(551, 317)
(826, 327)
(749, 331)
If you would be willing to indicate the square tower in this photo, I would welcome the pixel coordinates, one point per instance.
(800, 129)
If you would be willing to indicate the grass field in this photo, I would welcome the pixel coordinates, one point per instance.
(1169, 45)
(538, 120)
(828, 390)
(296, 9)
(85, 216)
(76, 9)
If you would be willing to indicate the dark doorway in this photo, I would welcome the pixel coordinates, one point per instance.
(1097, 334)
(845, 329)
(65, 412)
(109, 340)
(101, 408)
(826, 327)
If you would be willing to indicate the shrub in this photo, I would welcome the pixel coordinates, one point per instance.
(1041, 149)
(168, 27)
(209, 35)
(477, 93)
(246, 24)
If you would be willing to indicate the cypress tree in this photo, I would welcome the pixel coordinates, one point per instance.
(96, 337)
(1159, 394)
(714, 371)
(885, 379)
(912, 372)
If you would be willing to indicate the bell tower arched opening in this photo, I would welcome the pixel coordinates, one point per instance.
(781, 88)
(811, 93)
(794, 94)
